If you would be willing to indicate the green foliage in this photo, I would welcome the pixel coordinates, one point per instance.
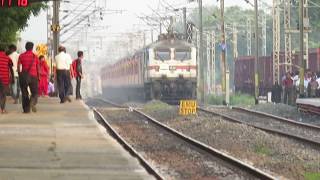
(156, 105)
(15, 19)
(262, 149)
(236, 99)
(312, 176)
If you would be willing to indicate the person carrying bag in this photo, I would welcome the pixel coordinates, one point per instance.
(29, 77)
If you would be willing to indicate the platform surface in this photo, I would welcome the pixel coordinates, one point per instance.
(309, 101)
(60, 141)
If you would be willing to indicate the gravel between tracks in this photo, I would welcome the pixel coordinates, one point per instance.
(174, 158)
(261, 121)
(272, 153)
(286, 111)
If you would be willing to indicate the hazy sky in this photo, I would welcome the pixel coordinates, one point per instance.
(37, 29)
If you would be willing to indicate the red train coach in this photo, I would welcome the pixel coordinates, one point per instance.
(244, 70)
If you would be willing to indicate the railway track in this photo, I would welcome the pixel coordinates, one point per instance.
(164, 145)
(299, 131)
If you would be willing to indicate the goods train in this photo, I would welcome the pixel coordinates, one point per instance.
(244, 70)
(164, 70)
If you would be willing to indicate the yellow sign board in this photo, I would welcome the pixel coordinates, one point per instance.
(188, 107)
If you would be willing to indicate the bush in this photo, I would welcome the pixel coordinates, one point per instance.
(236, 99)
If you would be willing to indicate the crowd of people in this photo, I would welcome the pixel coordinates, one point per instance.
(289, 89)
(30, 74)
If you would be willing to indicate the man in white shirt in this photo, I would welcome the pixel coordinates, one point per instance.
(63, 66)
(15, 87)
(318, 80)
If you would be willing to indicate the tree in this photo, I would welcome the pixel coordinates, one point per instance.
(15, 19)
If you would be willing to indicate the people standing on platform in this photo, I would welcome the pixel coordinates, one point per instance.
(276, 93)
(288, 88)
(28, 69)
(69, 78)
(15, 87)
(44, 75)
(63, 68)
(312, 87)
(295, 78)
(77, 66)
(6, 76)
(51, 88)
(318, 80)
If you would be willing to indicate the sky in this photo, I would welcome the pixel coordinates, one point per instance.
(126, 21)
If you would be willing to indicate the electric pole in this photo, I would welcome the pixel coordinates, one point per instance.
(249, 33)
(302, 62)
(185, 22)
(276, 40)
(201, 63)
(55, 27)
(224, 68)
(256, 75)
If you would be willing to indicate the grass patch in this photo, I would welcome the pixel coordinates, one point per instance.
(312, 176)
(156, 105)
(262, 149)
(236, 99)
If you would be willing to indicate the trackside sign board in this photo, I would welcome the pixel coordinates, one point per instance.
(188, 107)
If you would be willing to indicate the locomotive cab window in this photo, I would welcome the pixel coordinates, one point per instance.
(182, 54)
(162, 54)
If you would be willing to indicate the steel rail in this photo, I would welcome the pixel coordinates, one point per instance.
(244, 166)
(292, 136)
(210, 150)
(290, 121)
(149, 168)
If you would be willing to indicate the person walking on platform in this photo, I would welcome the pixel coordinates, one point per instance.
(77, 66)
(276, 93)
(44, 75)
(6, 75)
(29, 76)
(312, 87)
(15, 87)
(63, 67)
(288, 88)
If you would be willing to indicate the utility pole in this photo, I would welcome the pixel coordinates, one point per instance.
(213, 62)
(224, 67)
(276, 39)
(256, 75)
(302, 62)
(249, 33)
(235, 41)
(151, 35)
(306, 26)
(263, 31)
(287, 27)
(185, 22)
(56, 27)
(49, 38)
(208, 69)
(201, 63)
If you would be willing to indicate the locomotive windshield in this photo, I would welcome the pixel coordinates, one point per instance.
(182, 54)
(162, 54)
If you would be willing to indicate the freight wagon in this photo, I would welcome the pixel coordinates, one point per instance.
(244, 70)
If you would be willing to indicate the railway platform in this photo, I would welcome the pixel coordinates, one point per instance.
(61, 141)
(309, 105)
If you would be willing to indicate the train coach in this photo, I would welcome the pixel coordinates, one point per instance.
(165, 70)
(244, 70)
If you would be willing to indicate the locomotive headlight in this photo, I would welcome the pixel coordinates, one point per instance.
(172, 68)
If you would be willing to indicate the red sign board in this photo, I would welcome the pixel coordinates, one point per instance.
(13, 3)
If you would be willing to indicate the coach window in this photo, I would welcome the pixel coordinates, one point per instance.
(162, 54)
(182, 54)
